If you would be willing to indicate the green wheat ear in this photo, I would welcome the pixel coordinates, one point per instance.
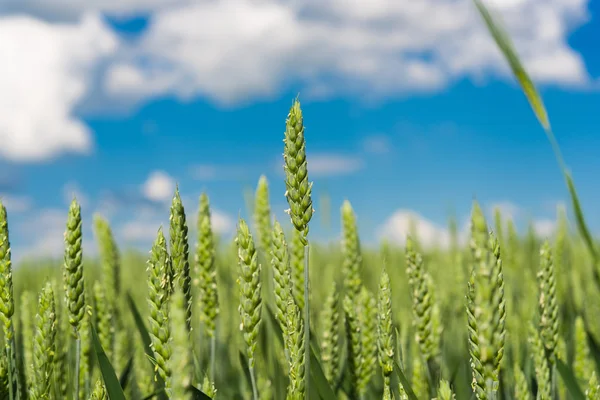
(281, 274)
(103, 318)
(73, 268)
(367, 319)
(297, 264)
(7, 306)
(583, 363)
(206, 268)
(109, 256)
(540, 362)
(521, 387)
(445, 392)
(548, 304)
(330, 339)
(385, 339)
(158, 268)
(486, 308)
(262, 214)
(44, 346)
(352, 261)
(298, 188)
(99, 392)
(422, 302)
(180, 360)
(178, 232)
(250, 295)
(295, 345)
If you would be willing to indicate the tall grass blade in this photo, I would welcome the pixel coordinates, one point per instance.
(139, 322)
(113, 388)
(124, 378)
(506, 47)
(405, 384)
(199, 394)
(319, 381)
(570, 381)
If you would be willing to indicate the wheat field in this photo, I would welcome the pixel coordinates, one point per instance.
(275, 315)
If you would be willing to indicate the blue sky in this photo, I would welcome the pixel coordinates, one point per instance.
(123, 103)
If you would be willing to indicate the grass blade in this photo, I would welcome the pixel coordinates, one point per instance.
(318, 379)
(244, 365)
(199, 394)
(124, 378)
(139, 322)
(506, 47)
(113, 388)
(570, 381)
(402, 378)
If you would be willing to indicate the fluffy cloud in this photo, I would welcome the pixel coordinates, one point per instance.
(325, 164)
(544, 227)
(45, 70)
(377, 144)
(16, 203)
(398, 226)
(213, 172)
(159, 187)
(143, 228)
(233, 50)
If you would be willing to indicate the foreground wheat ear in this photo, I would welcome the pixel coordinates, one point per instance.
(159, 266)
(486, 308)
(250, 295)
(44, 344)
(74, 286)
(7, 305)
(298, 194)
(298, 188)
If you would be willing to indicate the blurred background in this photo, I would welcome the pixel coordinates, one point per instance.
(410, 112)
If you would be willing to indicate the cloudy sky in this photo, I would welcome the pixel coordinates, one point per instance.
(409, 110)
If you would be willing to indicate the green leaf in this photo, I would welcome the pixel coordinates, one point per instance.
(407, 388)
(318, 379)
(139, 322)
(113, 388)
(506, 47)
(246, 368)
(570, 381)
(582, 226)
(124, 378)
(199, 394)
(154, 394)
(275, 325)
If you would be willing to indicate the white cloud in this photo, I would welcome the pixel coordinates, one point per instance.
(234, 51)
(45, 70)
(73, 9)
(141, 231)
(144, 227)
(159, 187)
(221, 222)
(45, 230)
(377, 144)
(508, 210)
(195, 49)
(325, 164)
(16, 203)
(397, 227)
(213, 172)
(544, 227)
